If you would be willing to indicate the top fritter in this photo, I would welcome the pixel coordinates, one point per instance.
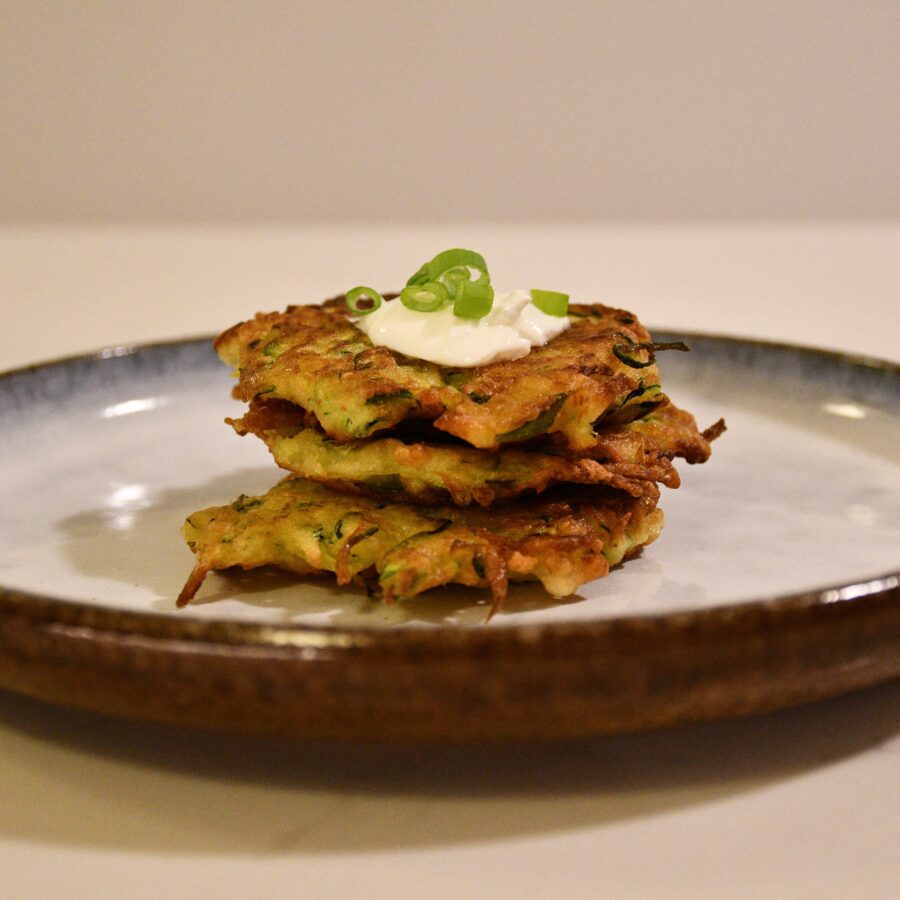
(598, 373)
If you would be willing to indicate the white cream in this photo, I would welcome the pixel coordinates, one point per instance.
(512, 327)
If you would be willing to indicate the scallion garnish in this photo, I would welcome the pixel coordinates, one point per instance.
(473, 300)
(421, 277)
(463, 276)
(363, 300)
(456, 275)
(428, 297)
(451, 268)
(456, 258)
(552, 303)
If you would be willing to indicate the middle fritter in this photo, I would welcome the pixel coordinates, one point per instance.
(624, 457)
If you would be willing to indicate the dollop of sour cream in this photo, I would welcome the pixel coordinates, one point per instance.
(509, 331)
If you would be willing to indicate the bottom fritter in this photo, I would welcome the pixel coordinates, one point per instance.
(562, 539)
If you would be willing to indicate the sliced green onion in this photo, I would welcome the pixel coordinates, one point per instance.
(458, 258)
(473, 300)
(363, 300)
(427, 297)
(421, 277)
(552, 303)
(467, 262)
(453, 278)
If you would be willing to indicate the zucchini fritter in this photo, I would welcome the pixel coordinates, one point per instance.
(630, 455)
(599, 372)
(403, 549)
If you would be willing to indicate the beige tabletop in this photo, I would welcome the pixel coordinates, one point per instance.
(800, 803)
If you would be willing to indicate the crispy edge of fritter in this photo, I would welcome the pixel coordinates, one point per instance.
(569, 387)
(313, 356)
(562, 541)
(667, 432)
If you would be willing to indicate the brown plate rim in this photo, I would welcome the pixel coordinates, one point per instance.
(864, 594)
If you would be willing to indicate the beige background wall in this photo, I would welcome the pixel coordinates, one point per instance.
(471, 110)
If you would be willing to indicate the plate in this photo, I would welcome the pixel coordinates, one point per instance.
(775, 580)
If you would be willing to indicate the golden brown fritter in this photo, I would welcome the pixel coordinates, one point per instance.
(416, 469)
(600, 371)
(406, 468)
(401, 549)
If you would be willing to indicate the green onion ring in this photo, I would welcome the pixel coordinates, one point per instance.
(473, 300)
(457, 259)
(421, 277)
(453, 278)
(428, 297)
(454, 259)
(552, 303)
(360, 295)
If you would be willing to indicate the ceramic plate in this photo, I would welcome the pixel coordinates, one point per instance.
(775, 579)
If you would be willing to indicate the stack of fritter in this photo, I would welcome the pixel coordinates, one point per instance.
(407, 475)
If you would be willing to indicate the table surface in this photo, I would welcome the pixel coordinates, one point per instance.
(800, 803)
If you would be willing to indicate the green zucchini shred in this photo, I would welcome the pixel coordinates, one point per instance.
(535, 426)
(385, 398)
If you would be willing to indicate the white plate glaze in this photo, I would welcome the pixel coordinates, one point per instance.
(103, 457)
